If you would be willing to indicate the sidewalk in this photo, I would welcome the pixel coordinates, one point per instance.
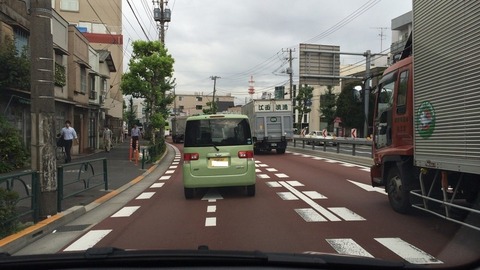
(122, 174)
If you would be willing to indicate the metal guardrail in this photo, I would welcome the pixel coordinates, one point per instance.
(26, 185)
(337, 142)
(75, 178)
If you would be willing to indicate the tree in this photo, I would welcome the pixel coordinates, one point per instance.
(303, 101)
(149, 77)
(14, 68)
(212, 108)
(349, 108)
(328, 106)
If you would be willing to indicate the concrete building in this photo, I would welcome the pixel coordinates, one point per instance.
(192, 104)
(100, 22)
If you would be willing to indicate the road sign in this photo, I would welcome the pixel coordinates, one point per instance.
(354, 133)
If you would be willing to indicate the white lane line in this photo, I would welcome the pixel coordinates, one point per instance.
(310, 215)
(176, 163)
(169, 171)
(295, 184)
(272, 170)
(145, 195)
(331, 161)
(318, 158)
(173, 167)
(314, 195)
(346, 213)
(307, 156)
(263, 165)
(368, 187)
(287, 196)
(258, 161)
(157, 185)
(273, 184)
(263, 176)
(210, 222)
(258, 170)
(349, 165)
(407, 251)
(88, 240)
(281, 175)
(310, 202)
(347, 246)
(165, 177)
(211, 209)
(126, 211)
(365, 169)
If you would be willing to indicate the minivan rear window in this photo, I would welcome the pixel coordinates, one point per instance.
(218, 132)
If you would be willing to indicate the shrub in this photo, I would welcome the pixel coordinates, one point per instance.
(8, 222)
(13, 153)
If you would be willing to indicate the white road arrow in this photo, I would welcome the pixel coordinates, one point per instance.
(368, 187)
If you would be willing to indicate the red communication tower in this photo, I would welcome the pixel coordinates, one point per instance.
(251, 88)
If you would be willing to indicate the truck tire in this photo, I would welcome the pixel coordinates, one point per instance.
(398, 192)
(281, 150)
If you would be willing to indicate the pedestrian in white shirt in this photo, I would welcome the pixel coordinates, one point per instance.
(69, 134)
(135, 133)
(107, 138)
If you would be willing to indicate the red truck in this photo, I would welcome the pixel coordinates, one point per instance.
(427, 116)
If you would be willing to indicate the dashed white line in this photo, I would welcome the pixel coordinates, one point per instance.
(263, 176)
(165, 177)
(210, 222)
(157, 185)
(169, 171)
(211, 209)
(314, 195)
(295, 183)
(272, 170)
(287, 196)
(173, 167)
(281, 175)
(145, 195)
(88, 240)
(273, 184)
(126, 211)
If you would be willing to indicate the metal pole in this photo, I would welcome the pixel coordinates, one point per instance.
(366, 98)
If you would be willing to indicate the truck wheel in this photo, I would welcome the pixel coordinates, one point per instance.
(189, 192)
(251, 190)
(398, 193)
(281, 150)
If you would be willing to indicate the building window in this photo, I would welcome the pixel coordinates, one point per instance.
(199, 98)
(198, 107)
(83, 80)
(93, 93)
(181, 108)
(180, 98)
(69, 5)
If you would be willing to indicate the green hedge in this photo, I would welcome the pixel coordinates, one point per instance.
(13, 154)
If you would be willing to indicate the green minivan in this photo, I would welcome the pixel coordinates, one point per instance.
(218, 152)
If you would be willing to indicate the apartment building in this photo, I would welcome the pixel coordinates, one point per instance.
(80, 74)
(100, 22)
(192, 104)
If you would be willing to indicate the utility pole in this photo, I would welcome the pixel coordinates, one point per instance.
(366, 99)
(43, 104)
(162, 15)
(214, 107)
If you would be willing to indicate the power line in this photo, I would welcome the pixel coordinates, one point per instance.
(128, 2)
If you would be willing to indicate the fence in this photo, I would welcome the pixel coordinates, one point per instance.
(337, 142)
(75, 178)
(26, 186)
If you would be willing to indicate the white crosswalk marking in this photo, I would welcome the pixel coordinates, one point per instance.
(273, 184)
(310, 215)
(287, 196)
(157, 185)
(165, 177)
(126, 211)
(271, 169)
(407, 251)
(295, 184)
(88, 240)
(347, 246)
(310, 202)
(210, 222)
(346, 213)
(263, 176)
(314, 195)
(281, 175)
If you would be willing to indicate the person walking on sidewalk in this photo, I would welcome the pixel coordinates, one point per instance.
(135, 135)
(69, 134)
(107, 138)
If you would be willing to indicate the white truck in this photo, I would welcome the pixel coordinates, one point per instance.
(271, 122)
(427, 121)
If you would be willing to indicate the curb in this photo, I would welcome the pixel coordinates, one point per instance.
(19, 240)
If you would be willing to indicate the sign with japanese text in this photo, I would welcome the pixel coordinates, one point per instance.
(272, 105)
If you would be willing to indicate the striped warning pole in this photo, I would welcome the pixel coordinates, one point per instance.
(130, 150)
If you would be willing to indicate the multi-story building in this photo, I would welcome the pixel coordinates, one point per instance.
(81, 73)
(192, 104)
(100, 22)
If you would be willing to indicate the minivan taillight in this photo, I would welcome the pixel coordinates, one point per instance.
(190, 156)
(245, 154)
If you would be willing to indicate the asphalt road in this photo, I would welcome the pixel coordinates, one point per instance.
(304, 203)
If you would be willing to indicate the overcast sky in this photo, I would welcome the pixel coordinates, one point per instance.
(238, 39)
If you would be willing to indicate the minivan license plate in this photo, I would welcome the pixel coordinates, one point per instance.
(218, 162)
(273, 144)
